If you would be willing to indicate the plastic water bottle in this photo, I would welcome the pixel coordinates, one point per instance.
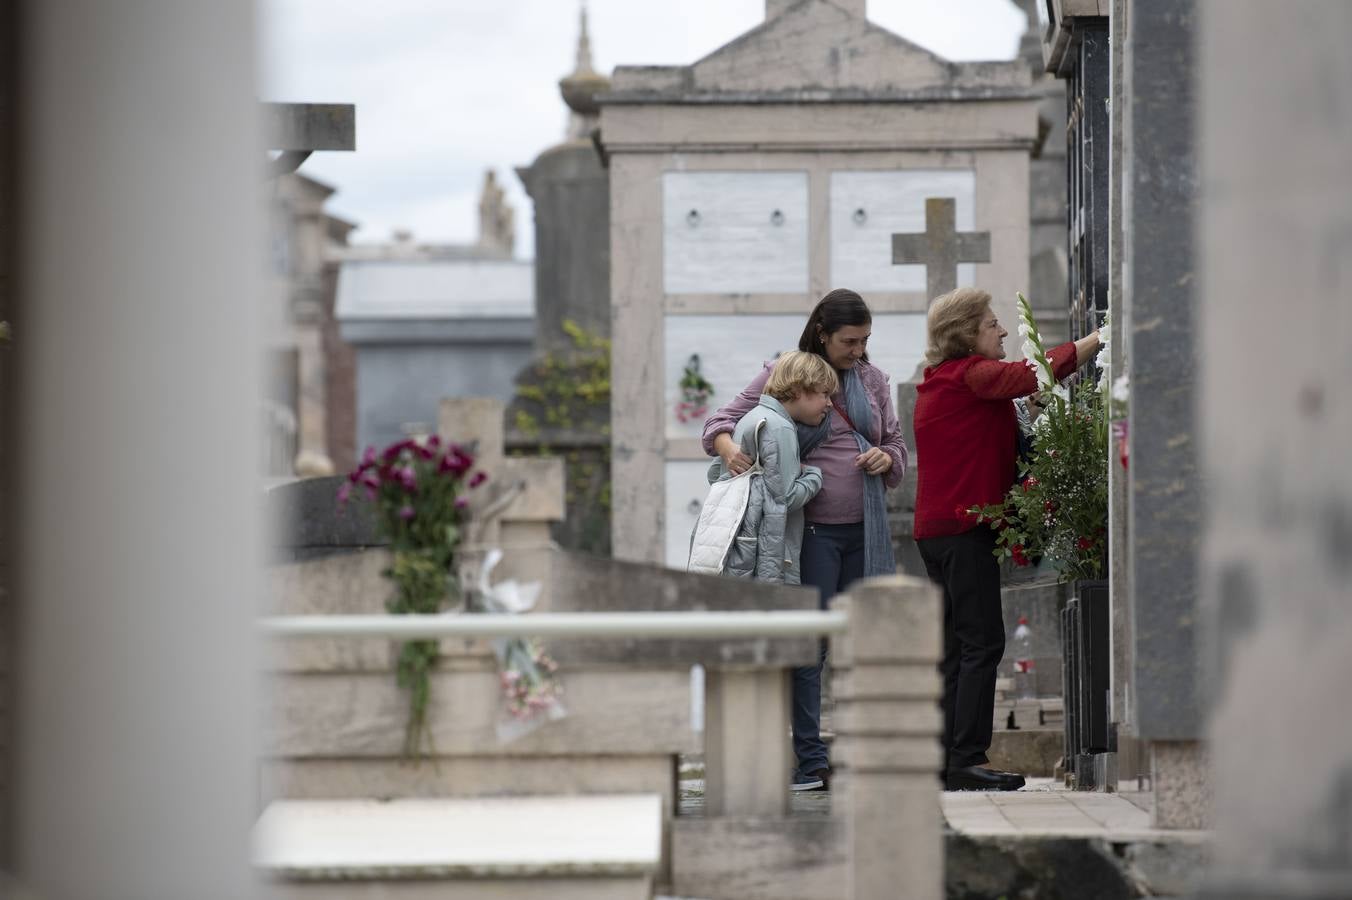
(1023, 660)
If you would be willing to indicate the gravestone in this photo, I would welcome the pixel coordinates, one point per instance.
(748, 184)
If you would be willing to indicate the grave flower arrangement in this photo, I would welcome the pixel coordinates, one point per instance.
(531, 692)
(419, 490)
(695, 393)
(1058, 509)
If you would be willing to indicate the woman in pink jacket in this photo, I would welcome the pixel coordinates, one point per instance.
(861, 454)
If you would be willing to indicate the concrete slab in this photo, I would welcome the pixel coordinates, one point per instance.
(576, 836)
(1044, 809)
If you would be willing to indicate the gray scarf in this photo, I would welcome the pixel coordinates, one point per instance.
(878, 558)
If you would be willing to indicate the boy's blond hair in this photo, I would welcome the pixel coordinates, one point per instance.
(797, 372)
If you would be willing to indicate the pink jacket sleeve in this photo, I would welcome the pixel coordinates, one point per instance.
(725, 418)
(892, 443)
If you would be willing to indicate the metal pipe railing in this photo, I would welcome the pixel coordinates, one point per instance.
(695, 624)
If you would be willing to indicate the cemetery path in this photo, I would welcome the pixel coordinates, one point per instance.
(1045, 809)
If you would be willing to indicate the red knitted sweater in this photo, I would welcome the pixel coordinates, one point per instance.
(966, 434)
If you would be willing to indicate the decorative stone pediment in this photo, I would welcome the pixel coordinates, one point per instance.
(816, 50)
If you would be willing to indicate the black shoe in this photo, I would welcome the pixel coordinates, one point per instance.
(818, 780)
(976, 778)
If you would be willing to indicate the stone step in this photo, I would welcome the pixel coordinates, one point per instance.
(605, 846)
(1028, 752)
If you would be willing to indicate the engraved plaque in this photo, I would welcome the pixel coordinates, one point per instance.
(687, 486)
(734, 232)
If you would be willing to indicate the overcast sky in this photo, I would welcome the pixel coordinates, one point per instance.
(448, 88)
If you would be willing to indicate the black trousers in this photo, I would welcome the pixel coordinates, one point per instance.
(964, 566)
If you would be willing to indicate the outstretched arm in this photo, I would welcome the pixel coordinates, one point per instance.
(992, 379)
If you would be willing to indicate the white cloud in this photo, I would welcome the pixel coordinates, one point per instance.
(447, 88)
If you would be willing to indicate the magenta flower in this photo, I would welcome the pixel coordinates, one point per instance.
(371, 478)
(477, 479)
(368, 458)
(371, 493)
(434, 441)
(344, 492)
(406, 512)
(461, 502)
(408, 478)
(393, 450)
(456, 461)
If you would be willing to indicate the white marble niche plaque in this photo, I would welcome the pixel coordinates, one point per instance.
(867, 208)
(734, 232)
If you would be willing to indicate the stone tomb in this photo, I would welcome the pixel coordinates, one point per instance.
(747, 185)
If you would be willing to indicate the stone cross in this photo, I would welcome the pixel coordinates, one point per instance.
(532, 488)
(940, 247)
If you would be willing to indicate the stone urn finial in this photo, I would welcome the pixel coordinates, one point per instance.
(580, 87)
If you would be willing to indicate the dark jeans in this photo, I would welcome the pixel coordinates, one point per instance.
(974, 639)
(833, 557)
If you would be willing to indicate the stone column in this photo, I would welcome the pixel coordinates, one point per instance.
(887, 746)
(137, 444)
(1164, 519)
(1275, 418)
(312, 455)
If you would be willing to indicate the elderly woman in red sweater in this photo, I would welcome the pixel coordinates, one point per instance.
(966, 438)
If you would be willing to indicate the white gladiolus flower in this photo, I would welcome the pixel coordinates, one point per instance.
(1032, 345)
(1122, 388)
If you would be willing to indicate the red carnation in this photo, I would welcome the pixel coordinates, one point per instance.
(1016, 551)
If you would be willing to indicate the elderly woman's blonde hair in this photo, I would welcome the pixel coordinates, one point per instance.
(798, 372)
(954, 320)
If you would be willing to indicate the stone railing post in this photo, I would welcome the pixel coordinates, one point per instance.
(746, 716)
(887, 724)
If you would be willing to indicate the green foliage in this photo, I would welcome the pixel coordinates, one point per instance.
(1058, 510)
(569, 392)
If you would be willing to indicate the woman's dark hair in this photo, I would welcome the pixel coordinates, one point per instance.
(833, 312)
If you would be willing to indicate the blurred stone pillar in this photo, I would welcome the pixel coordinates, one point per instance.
(1275, 420)
(886, 685)
(137, 443)
(312, 453)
